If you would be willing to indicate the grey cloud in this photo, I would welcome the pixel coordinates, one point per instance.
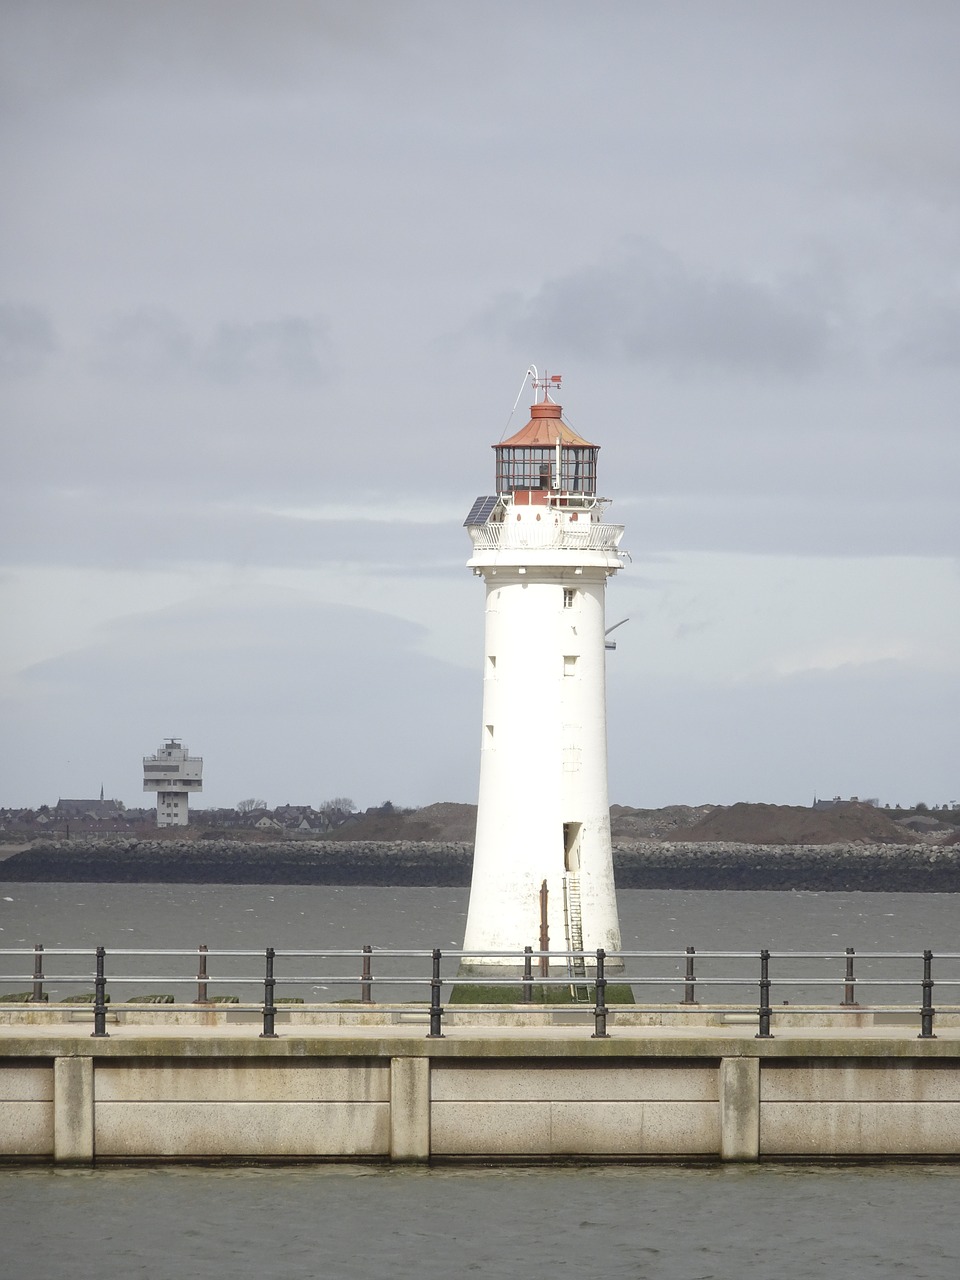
(930, 337)
(27, 339)
(279, 692)
(647, 306)
(87, 527)
(292, 348)
(157, 345)
(904, 152)
(887, 737)
(80, 527)
(145, 344)
(60, 48)
(797, 525)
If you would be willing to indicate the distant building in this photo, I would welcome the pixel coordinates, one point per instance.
(173, 773)
(96, 810)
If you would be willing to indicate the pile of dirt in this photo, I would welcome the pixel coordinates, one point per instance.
(627, 823)
(925, 825)
(456, 822)
(791, 825)
(754, 824)
(453, 821)
(444, 823)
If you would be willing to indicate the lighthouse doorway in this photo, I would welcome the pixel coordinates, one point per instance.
(571, 846)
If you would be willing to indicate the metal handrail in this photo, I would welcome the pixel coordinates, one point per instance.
(436, 982)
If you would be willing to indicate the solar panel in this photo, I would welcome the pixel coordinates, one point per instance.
(480, 511)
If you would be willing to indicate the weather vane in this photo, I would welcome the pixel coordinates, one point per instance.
(549, 382)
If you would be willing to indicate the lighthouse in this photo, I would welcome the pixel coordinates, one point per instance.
(542, 867)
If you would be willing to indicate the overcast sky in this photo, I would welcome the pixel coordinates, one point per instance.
(272, 274)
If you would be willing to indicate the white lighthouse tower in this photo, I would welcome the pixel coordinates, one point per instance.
(542, 869)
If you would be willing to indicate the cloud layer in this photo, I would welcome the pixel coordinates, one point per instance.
(271, 284)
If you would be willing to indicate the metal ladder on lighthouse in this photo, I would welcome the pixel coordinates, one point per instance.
(576, 967)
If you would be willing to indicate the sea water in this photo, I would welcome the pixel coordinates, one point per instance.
(295, 917)
(359, 1223)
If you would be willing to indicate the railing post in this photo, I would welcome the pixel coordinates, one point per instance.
(201, 974)
(764, 1010)
(527, 975)
(37, 997)
(366, 994)
(269, 1011)
(100, 996)
(600, 1011)
(927, 1010)
(689, 990)
(849, 988)
(436, 1011)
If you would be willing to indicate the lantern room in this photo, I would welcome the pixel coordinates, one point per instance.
(546, 459)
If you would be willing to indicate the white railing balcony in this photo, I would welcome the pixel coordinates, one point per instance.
(524, 535)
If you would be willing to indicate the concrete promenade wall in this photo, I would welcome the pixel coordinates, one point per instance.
(638, 865)
(551, 1093)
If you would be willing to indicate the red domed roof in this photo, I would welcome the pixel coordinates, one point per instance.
(545, 425)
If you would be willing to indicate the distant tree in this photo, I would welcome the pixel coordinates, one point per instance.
(339, 804)
(920, 807)
(247, 806)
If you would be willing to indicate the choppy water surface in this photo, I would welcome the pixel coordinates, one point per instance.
(330, 917)
(157, 915)
(352, 1223)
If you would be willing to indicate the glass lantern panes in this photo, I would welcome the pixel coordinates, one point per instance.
(533, 468)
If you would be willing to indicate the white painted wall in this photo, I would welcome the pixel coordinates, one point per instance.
(543, 757)
(172, 809)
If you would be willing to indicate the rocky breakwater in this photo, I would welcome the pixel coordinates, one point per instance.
(639, 864)
(886, 868)
(117, 859)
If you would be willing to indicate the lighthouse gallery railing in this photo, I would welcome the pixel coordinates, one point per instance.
(526, 536)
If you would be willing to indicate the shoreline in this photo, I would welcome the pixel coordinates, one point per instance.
(637, 864)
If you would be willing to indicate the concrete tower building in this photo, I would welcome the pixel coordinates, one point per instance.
(173, 773)
(545, 554)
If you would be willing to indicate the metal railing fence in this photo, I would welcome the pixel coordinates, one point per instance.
(502, 972)
(547, 536)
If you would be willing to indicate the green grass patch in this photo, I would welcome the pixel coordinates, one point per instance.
(583, 995)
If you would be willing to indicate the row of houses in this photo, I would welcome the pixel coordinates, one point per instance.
(69, 817)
